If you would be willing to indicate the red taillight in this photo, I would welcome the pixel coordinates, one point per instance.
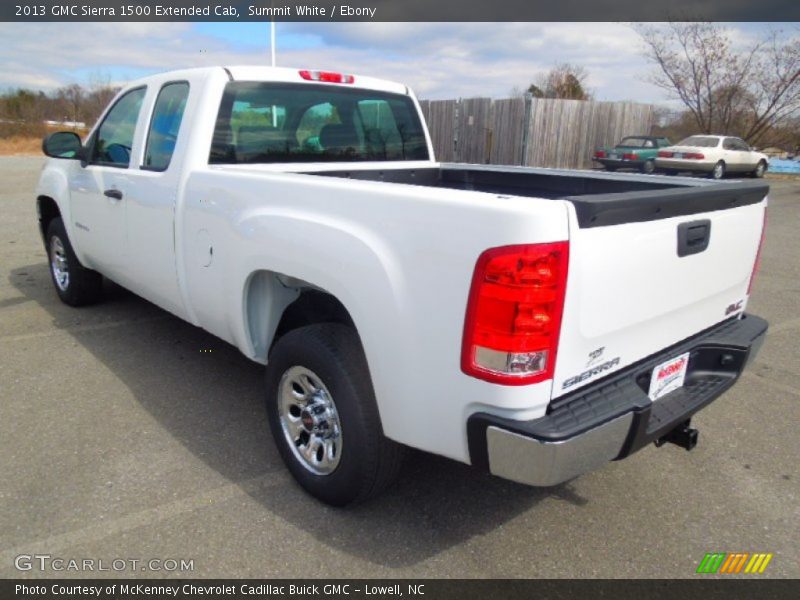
(694, 155)
(630, 156)
(600, 154)
(326, 76)
(757, 262)
(665, 154)
(514, 311)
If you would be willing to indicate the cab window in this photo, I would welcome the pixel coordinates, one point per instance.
(283, 122)
(114, 138)
(164, 127)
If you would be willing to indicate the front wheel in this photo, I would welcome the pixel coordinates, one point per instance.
(323, 415)
(760, 169)
(718, 172)
(75, 284)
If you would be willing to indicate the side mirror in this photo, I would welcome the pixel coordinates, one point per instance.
(63, 144)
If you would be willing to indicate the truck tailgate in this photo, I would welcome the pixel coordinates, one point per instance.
(648, 272)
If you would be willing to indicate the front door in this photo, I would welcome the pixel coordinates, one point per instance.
(98, 189)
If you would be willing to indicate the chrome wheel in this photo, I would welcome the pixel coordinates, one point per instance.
(719, 170)
(58, 263)
(760, 168)
(309, 420)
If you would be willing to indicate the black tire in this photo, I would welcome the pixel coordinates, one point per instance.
(760, 169)
(368, 462)
(649, 167)
(718, 172)
(80, 286)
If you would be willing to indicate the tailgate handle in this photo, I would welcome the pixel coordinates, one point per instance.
(693, 237)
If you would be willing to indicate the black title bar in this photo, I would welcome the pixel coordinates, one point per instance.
(399, 10)
(418, 589)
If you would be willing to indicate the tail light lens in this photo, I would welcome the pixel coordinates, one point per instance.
(326, 76)
(600, 154)
(514, 313)
(630, 156)
(665, 154)
(757, 263)
(694, 155)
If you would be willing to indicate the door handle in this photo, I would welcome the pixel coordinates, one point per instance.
(113, 193)
(693, 237)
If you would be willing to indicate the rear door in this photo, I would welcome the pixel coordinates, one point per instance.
(737, 154)
(638, 287)
(151, 199)
(749, 159)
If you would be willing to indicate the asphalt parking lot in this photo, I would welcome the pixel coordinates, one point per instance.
(126, 433)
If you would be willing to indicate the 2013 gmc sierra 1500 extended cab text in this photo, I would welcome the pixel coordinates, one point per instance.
(533, 322)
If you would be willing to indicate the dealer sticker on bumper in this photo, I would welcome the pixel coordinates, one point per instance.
(668, 376)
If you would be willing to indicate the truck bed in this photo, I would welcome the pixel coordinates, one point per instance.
(599, 198)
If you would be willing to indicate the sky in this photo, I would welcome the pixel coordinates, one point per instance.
(437, 60)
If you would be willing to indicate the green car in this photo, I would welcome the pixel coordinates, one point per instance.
(633, 152)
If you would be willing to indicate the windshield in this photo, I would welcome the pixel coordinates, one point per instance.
(700, 141)
(285, 122)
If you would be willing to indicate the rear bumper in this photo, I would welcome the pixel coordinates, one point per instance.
(619, 163)
(680, 164)
(614, 417)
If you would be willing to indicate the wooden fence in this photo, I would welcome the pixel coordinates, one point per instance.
(530, 131)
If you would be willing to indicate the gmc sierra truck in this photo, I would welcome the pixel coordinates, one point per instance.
(535, 323)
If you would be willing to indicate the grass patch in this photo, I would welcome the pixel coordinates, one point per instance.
(20, 145)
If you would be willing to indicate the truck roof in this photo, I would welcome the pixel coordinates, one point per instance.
(283, 74)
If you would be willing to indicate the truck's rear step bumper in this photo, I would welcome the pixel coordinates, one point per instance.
(614, 417)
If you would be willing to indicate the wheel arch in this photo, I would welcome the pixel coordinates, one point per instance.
(47, 209)
(275, 304)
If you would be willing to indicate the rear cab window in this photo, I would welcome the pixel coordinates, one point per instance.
(285, 122)
(165, 125)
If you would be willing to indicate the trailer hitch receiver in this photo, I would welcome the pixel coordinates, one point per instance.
(683, 435)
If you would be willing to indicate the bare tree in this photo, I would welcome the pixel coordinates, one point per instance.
(728, 90)
(100, 93)
(564, 81)
(72, 98)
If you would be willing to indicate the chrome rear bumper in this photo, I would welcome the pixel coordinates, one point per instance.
(614, 417)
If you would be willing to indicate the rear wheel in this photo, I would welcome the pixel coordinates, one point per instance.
(760, 169)
(75, 284)
(649, 167)
(718, 172)
(324, 418)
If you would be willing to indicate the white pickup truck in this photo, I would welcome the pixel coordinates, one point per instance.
(533, 322)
